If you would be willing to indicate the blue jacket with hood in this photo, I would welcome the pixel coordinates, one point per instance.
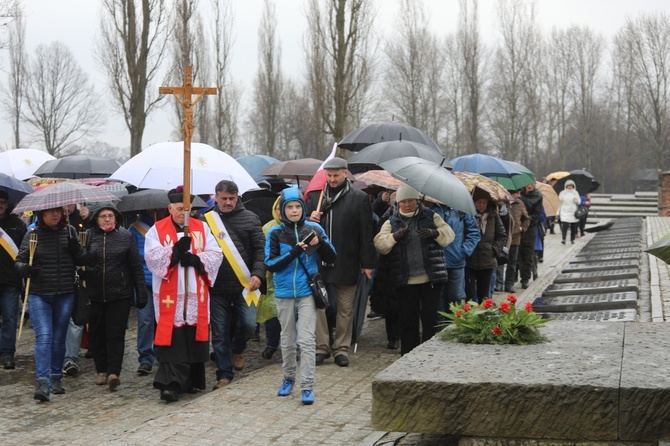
(282, 255)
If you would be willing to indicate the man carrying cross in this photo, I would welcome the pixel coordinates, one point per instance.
(182, 333)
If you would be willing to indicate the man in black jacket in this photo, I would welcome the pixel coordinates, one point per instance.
(346, 216)
(12, 230)
(532, 198)
(234, 294)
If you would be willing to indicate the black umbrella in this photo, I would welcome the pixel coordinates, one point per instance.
(360, 305)
(384, 131)
(370, 157)
(260, 202)
(585, 182)
(16, 189)
(78, 166)
(151, 199)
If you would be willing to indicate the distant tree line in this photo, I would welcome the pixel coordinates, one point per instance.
(556, 100)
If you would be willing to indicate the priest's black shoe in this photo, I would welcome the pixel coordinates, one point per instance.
(170, 396)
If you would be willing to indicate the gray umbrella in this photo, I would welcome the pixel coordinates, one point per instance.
(433, 180)
(151, 199)
(371, 156)
(383, 132)
(78, 166)
(360, 305)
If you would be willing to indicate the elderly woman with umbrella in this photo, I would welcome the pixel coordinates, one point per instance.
(413, 240)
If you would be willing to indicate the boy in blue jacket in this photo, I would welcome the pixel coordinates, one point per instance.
(293, 242)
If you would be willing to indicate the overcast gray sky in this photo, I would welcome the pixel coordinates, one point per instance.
(74, 22)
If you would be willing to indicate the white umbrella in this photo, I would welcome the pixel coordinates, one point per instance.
(22, 163)
(161, 166)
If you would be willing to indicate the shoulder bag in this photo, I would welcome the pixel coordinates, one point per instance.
(319, 291)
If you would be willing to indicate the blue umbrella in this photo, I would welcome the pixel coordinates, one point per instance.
(255, 164)
(16, 189)
(497, 169)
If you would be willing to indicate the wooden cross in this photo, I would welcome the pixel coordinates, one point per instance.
(167, 301)
(187, 129)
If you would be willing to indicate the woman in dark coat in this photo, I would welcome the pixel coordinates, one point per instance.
(479, 266)
(113, 274)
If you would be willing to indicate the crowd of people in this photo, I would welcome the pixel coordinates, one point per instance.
(210, 281)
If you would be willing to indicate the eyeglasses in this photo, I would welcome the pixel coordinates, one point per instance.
(106, 216)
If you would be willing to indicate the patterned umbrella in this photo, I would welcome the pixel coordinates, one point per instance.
(62, 194)
(379, 178)
(496, 190)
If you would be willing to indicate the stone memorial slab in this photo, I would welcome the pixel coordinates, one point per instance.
(586, 302)
(627, 315)
(596, 250)
(601, 266)
(606, 257)
(590, 276)
(612, 245)
(603, 286)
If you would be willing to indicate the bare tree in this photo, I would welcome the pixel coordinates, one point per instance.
(13, 92)
(339, 60)
(130, 50)
(469, 46)
(227, 101)
(62, 106)
(268, 84)
(414, 70)
(509, 114)
(642, 55)
(10, 10)
(586, 58)
(559, 102)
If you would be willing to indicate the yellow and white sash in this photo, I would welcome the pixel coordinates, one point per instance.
(233, 256)
(8, 244)
(141, 227)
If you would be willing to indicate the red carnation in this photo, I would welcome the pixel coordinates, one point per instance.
(504, 307)
(529, 307)
(466, 307)
(512, 298)
(497, 331)
(459, 313)
(488, 303)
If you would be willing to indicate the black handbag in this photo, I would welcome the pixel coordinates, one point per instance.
(319, 291)
(503, 257)
(581, 212)
(81, 311)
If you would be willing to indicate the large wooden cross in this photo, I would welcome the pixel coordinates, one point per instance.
(187, 127)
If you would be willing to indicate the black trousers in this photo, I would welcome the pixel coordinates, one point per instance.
(512, 264)
(477, 283)
(573, 230)
(108, 324)
(527, 253)
(417, 304)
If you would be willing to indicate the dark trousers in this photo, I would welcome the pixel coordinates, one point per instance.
(573, 230)
(417, 304)
(391, 317)
(477, 283)
(527, 253)
(582, 224)
(510, 272)
(108, 334)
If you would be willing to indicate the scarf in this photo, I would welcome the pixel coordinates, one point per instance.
(481, 221)
(331, 196)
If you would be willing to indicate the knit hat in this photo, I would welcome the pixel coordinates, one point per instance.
(406, 192)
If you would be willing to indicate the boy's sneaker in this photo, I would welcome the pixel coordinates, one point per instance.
(71, 369)
(286, 387)
(307, 397)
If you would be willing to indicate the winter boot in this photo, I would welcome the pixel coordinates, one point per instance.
(57, 385)
(42, 390)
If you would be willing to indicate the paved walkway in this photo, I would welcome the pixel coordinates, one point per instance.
(245, 412)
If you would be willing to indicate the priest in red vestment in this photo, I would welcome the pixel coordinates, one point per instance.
(182, 333)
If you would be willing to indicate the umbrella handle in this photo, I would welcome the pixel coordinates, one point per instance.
(318, 206)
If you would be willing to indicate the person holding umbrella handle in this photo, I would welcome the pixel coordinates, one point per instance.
(51, 296)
